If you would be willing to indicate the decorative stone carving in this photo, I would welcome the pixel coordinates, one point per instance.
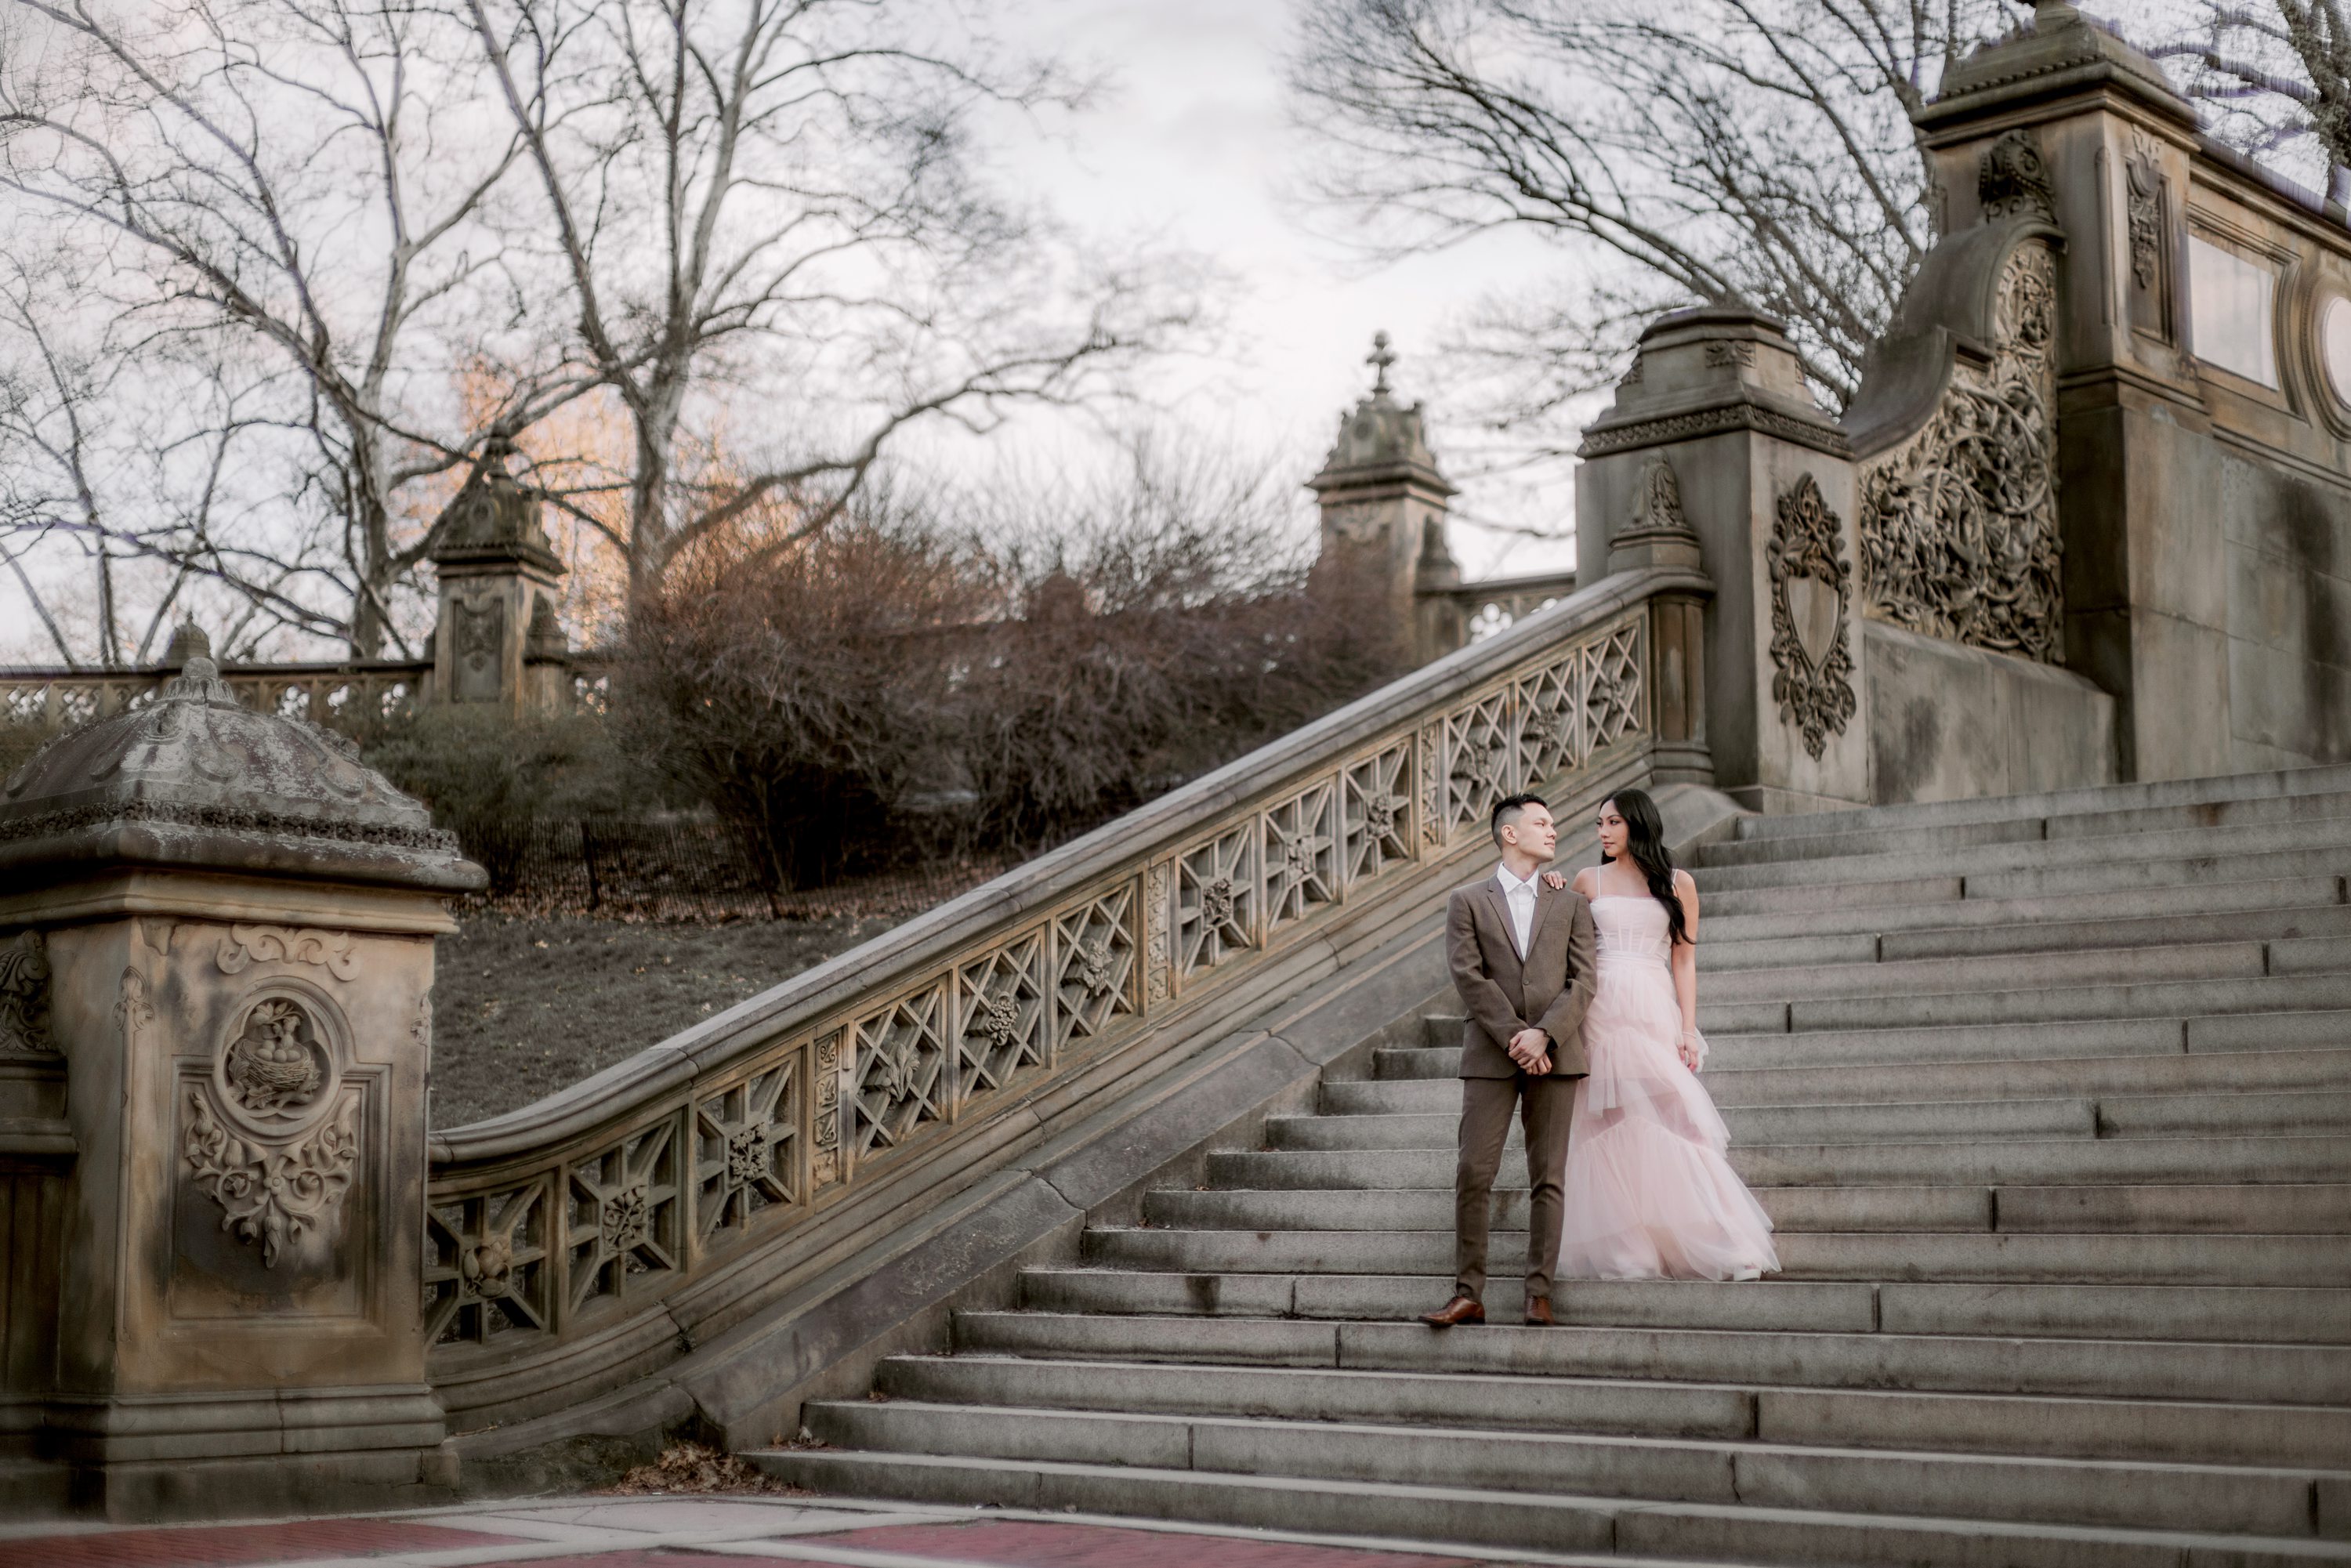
(132, 1011)
(1432, 785)
(902, 1072)
(277, 1066)
(486, 1268)
(1158, 966)
(270, 1196)
(1730, 351)
(2012, 181)
(2145, 207)
(1095, 980)
(1094, 967)
(625, 1218)
(828, 1108)
(1959, 523)
(1819, 435)
(477, 635)
(24, 994)
(245, 946)
(1811, 593)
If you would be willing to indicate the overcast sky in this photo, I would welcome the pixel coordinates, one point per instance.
(1195, 143)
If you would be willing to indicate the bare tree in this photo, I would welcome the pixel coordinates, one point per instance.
(1757, 150)
(309, 174)
(2278, 75)
(780, 248)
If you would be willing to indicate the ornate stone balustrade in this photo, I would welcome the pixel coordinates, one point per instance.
(572, 1228)
(52, 700)
(1497, 604)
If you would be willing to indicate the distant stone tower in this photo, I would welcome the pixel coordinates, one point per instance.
(497, 641)
(1383, 514)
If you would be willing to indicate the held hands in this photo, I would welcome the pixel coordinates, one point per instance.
(1531, 1048)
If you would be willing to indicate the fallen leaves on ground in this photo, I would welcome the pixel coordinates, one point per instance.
(703, 1471)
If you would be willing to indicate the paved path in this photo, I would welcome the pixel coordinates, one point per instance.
(705, 1532)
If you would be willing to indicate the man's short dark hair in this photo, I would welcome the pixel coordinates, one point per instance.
(1510, 807)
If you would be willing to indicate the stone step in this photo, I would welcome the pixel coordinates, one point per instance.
(2277, 811)
(1409, 1512)
(2316, 1209)
(2172, 1074)
(2153, 1116)
(2018, 918)
(2234, 1499)
(2069, 1428)
(1866, 880)
(2324, 841)
(2087, 1003)
(2301, 1261)
(2054, 1041)
(2236, 1314)
(1986, 1162)
(2089, 809)
(1892, 1360)
(1995, 971)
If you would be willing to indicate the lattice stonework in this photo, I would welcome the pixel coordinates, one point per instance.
(1094, 971)
(1375, 813)
(1302, 855)
(1005, 1025)
(747, 1150)
(1434, 826)
(1217, 899)
(1552, 737)
(901, 1073)
(486, 1266)
(1479, 759)
(621, 1224)
(1612, 692)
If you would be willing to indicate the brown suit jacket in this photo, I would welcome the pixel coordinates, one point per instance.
(1548, 991)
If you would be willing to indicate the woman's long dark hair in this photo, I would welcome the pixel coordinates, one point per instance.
(1644, 843)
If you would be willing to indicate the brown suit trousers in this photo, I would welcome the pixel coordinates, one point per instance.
(1548, 989)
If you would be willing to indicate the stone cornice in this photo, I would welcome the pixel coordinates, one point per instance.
(1603, 439)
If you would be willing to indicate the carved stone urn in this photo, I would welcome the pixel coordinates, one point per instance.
(234, 921)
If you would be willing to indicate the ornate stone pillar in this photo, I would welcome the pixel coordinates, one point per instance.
(1716, 452)
(497, 641)
(235, 920)
(1384, 511)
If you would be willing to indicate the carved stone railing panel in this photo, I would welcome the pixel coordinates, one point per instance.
(902, 1072)
(1095, 976)
(1958, 522)
(53, 700)
(486, 1266)
(1006, 1022)
(1217, 899)
(748, 1149)
(1375, 813)
(766, 1138)
(623, 1226)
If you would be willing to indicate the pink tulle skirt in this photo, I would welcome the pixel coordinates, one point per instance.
(1650, 1192)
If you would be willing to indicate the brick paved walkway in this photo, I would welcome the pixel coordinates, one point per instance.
(704, 1532)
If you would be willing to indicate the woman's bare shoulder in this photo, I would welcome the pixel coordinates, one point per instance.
(1684, 882)
(1586, 879)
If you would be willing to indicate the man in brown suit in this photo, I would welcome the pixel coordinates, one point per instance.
(1521, 953)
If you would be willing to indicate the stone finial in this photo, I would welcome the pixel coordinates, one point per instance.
(1381, 436)
(495, 518)
(188, 642)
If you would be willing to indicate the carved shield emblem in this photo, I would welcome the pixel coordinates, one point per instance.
(1812, 591)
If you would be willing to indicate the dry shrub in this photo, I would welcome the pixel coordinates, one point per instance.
(802, 688)
(902, 684)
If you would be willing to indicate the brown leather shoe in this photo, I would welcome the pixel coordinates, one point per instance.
(1459, 1309)
(1538, 1312)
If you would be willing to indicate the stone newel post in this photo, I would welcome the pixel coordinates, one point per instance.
(1716, 451)
(235, 918)
(497, 639)
(1384, 511)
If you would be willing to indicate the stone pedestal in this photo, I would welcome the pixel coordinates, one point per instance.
(235, 919)
(1715, 452)
(1384, 512)
(497, 641)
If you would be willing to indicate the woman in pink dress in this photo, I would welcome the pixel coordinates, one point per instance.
(1650, 1192)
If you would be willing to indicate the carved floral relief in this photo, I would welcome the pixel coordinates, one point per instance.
(24, 994)
(273, 1138)
(1811, 639)
(245, 946)
(1959, 523)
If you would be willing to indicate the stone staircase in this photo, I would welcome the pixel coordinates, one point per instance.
(2051, 1099)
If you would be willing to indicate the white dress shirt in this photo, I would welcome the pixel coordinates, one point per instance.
(1519, 896)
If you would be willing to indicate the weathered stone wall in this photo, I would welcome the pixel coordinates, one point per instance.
(2288, 542)
(1951, 723)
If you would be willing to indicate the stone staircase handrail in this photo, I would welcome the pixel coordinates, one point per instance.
(742, 1126)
